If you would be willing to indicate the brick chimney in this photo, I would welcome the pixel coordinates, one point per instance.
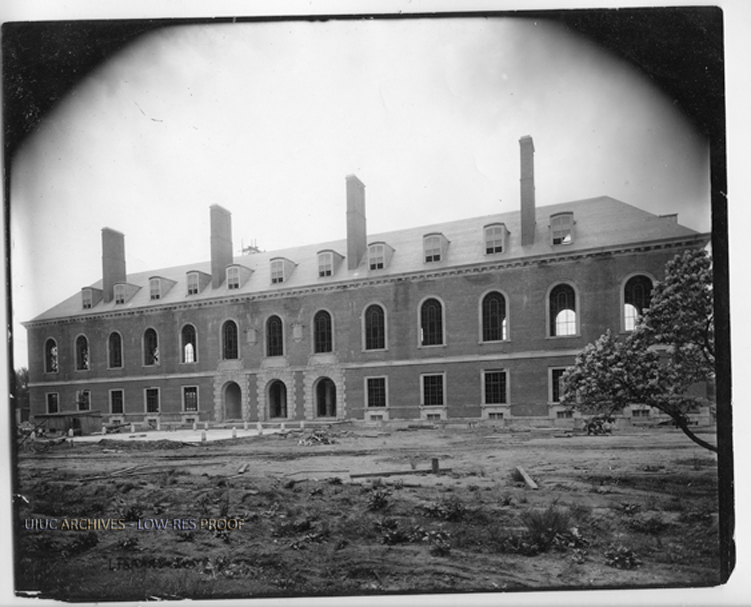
(221, 244)
(113, 261)
(527, 149)
(357, 234)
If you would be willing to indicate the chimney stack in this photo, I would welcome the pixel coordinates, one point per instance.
(221, 244)
(357, 234)
(527, 148)
(113, 261)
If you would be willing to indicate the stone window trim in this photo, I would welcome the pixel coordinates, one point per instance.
(384, 379)
(49, 400)
(150, 347)
(624, 296)
(51, 356)
(115, 358)
(322, 331)
(274, 336)
(555, 392)
(188, 336)
(112, 401)
(485, 376)
(185, 398)
(83, 400)
(549, 320)
(82, 353)
(434, 333)
(152, 401)
(428, 393)
(230, 343)
(481, 314)
(371, 334)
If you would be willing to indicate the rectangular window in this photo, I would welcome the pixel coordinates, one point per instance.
(84, 400)
(233, 278)
(325, 264)
(53, 402)
(640, 413)
(193, 285)
(88, 299)
(190, 399)
(494, 239)
(495, 387)
(432, 247)
(119, 294)
(562, 228)
(152, 400)
(432, 390)
(495, 415)
(376, 391)
(376, 256)
(556, 386)
(564, 414)
(433, 417)
(155, 288)
(117, 401)
(277, 271)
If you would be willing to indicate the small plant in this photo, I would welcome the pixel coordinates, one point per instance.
(439, 542)
(378, 499)
(451, 509)
(390, 532)
(653, 525)
(621, 557)
(630, 509)
(334, 480)
(506, 500)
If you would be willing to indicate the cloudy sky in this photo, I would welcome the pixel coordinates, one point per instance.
(267, 119)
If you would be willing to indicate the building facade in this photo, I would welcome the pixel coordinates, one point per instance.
(471, 319)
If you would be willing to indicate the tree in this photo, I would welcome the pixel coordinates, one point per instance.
(20, 388)
(670, 350)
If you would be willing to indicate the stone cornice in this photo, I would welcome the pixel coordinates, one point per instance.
(357, 283)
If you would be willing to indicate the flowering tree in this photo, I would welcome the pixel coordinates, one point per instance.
(671, 349)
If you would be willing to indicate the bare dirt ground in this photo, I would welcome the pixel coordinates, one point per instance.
(635, 509)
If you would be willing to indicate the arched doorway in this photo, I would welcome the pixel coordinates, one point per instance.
(232, 401)
(277, 399)
(325, 398)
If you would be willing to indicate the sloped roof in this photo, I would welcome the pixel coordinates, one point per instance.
(601, 222)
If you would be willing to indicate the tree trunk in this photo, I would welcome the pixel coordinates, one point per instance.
(682, 423)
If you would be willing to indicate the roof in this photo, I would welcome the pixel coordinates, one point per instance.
(601, 222)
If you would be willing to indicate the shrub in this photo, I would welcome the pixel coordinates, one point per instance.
(621, 557)
(450, 509)
(543, 526)
(652, 525)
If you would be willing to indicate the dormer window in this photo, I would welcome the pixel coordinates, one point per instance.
(562, 228)
(193, 284)
(495, 238)
(155, 288)
(325, 264)
(233, 277)
(88, 299)
(376, 256)
(432, 248)
(120, 294)
(277, 271)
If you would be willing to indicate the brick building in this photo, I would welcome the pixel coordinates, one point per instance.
(474, 318)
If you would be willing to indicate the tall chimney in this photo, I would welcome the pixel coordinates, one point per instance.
(113, 261)
(357, 234)
(221, 244)
(527, 148)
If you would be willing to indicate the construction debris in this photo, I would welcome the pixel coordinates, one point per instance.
(317, 437)
(527, 478)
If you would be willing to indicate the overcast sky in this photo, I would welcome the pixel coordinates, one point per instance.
(267, 119)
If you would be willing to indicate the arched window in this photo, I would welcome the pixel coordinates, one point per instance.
(431, 323)
(229, 340)
(274, 337)
(150, 348)
(188, 344)
(50, 356)
(82, 353)
(637, 295)
(322, 337)
(562, 304)
(115, 347)
(375, 328)
(493, 317)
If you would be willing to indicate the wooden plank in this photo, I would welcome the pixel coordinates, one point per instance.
(527, 478)
(395, 473)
